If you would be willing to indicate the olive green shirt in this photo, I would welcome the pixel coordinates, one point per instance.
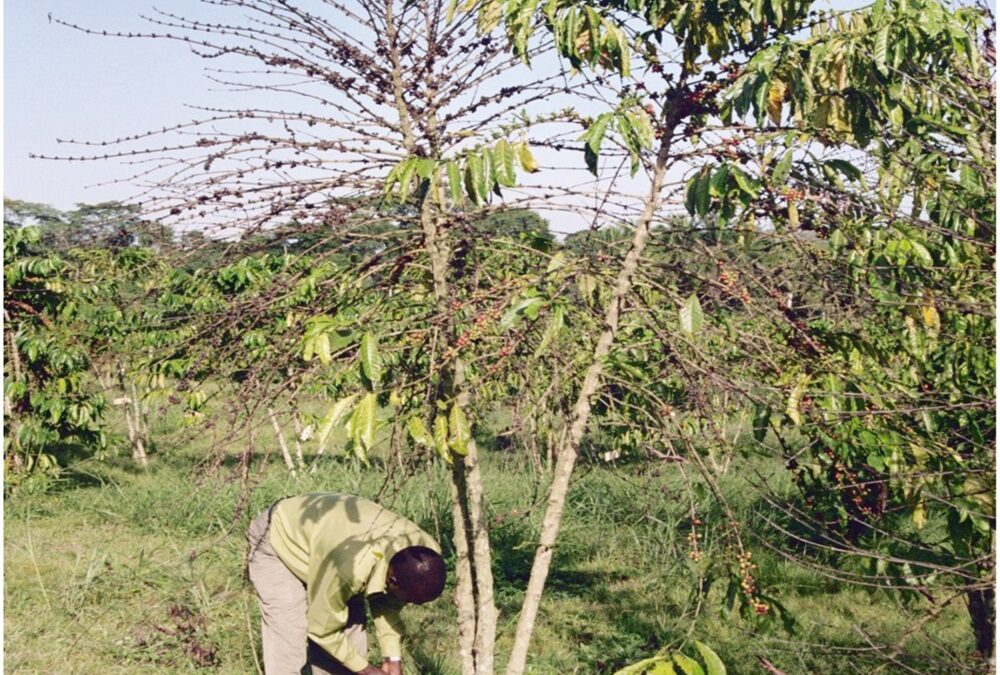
(340, 547)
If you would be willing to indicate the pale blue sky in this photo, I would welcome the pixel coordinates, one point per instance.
(60, 83)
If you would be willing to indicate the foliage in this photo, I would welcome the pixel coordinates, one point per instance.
(827, 302)
(896, 398)
(664, 664)
(49, 410)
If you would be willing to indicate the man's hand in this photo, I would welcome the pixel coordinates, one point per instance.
(392, 667)
(370, 670)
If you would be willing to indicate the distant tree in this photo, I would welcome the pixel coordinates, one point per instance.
(510, 223)
(108, 224)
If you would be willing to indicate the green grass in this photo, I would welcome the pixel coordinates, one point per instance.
(114, 570)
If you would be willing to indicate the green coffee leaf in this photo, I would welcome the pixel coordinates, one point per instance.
(371, 360)
(691, 315)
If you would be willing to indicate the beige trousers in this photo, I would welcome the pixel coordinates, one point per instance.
(283, 602)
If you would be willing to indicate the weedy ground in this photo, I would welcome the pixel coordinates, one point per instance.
(113, 569)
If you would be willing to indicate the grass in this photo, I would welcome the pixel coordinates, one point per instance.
(118, 570)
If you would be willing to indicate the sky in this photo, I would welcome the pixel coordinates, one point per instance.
(60, 83)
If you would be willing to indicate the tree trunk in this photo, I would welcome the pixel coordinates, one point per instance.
(569, 445)
(474, 590)
(285, 454)
(299, 458)
(982, 612)
(479, 545)
(140, 425)
(136, 425)
(465, 594)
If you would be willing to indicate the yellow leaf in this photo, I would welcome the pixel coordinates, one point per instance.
(489, 16)
(775, 98)
(919, 516)
(841, 73)
(528, 162)
(932, 320)
(792, 409)
(831, 112)
(793, 215)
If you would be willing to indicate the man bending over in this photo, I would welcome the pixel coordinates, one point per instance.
(314, 559)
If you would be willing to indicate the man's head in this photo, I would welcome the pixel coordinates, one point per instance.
(416, 575)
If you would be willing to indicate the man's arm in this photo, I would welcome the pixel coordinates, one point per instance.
(326, 629)
(388, 628)
(328, 616)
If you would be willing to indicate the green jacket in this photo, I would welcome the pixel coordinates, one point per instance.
(340, 547)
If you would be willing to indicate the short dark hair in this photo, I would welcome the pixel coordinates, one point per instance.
(420, 571)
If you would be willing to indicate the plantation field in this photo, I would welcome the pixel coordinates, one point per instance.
(116, 569)
(674, 322)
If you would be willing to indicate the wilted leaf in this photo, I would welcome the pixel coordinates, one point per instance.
(489, 15)
(775, 100)
(503, 162)
(793, 215)
(406, 171)
(528, 162)
(334, 417)
(688, 665)
(556, 262)
(932, 320)
(475, 178)
(587, 284)
(455, 190)
(322, 346)
(792, 408)
(362, 425)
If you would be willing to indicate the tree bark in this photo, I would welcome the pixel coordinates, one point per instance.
(465, 595)
(982, 613)
(569, 445)
(141, 439)
(286, 455)
(479, 544)
(299, 458)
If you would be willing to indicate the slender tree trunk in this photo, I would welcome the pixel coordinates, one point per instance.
(465, 593)
(299, 459)
(474, 590)
(286, 455)
(982, 613)
(479, 541)
(141, 428)
(569, 445)
(136, 425)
